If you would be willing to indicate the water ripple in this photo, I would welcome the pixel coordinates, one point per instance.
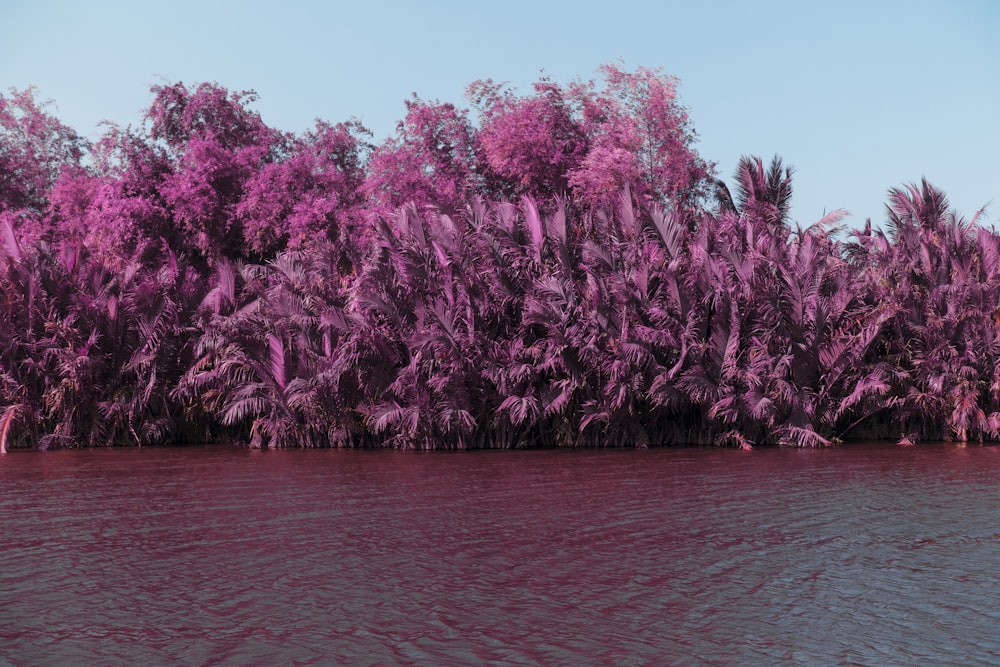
(861, 555)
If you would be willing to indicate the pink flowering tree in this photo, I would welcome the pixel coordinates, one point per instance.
(215, 144)
(528, 145)
(591, 142)
(34, 147)
(430, 160)
(312, 195)
(640, 139)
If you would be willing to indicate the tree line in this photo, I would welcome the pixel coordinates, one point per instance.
(564, 270)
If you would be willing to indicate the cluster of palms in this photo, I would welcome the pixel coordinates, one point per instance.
(507, 326)
(206, 277)
(90, 352)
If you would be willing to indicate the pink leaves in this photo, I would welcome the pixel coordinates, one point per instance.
(178, 115)
(6, 422)
(639, 113)
(429, 161)
(632, 135)
(8, 240)
(278, 370)
(605, 173)
(532, 143)
(34, 148)
(304, 198)
(548, 264)
(205, 173)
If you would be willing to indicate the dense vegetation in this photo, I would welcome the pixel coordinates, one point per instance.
(565, 270)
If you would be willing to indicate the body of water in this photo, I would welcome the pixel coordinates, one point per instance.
(857, 555)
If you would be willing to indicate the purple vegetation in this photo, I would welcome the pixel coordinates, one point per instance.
(564, 271)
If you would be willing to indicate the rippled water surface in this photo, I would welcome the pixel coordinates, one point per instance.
(863, 554)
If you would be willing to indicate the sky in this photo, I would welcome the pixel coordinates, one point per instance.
(859, 96)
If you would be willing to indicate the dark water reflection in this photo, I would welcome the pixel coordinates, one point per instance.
(868, 555)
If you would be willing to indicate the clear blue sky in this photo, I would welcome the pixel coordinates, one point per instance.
(857, 95)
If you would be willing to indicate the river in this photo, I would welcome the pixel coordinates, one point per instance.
(864, 554)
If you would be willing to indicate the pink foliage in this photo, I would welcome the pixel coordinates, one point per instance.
(431, 160)
(607, 170)
(178, 115)
(532, 143)
(307, 196)
(93, 208)
(205, 173)
(34, 147)
(205, 190)
(592, 142)
(641, 137)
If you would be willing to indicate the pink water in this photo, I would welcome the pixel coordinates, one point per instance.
(864, 554)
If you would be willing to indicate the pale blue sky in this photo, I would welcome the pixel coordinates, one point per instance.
(858, 95)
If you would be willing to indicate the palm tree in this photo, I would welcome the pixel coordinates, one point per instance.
(941, 273)
(260, 352)
(763, 195)
(91, 351)
(783, 327)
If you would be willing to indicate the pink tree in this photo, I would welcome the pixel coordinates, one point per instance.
(216, 144)
(179, 177)
(430, 160)
(640, 137)
(590, 141)
(115, 205)
(205, 174)
(34, 148)
(529, 145)
(312, 194)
